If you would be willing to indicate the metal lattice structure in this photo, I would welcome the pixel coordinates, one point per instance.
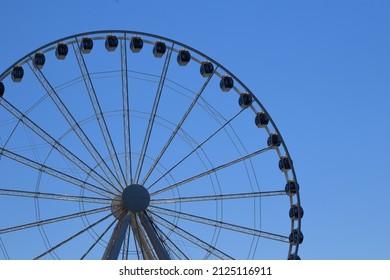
(126, 145)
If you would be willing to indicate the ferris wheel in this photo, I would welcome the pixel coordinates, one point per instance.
(127, 145)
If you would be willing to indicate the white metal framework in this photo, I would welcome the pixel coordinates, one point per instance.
(126, 145)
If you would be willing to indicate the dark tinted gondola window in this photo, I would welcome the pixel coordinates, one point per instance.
(159, 49)
(17, 73)
(2, 89)
(111, 43)
(61, 51)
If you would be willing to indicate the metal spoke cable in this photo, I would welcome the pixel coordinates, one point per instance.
(208, 172)
(55, 173)
(126, 112)
(54, 196)
(3, 249)
(215, 223)
(178, 127)
(54, 220)
(33, 146)
(72, 237)
(153, 114)
(99, 114)
(217, 197)
(172, 247)
(10, 135)
(196, 148)
(170, 244)
(190, 237)
(75, 126)
(41, 230)
(48, 138)
(97, 240)
(241, 150)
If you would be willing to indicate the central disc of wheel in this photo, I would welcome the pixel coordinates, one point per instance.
(136, 198)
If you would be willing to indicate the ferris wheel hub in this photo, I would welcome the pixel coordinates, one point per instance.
(136, 198)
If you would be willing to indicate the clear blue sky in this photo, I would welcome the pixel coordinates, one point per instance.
(321, 68)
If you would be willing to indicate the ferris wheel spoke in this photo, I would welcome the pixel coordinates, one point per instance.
(126, 112)
(3, 249)
(54, 196)
(75, 126)
(217, 197)
(54, 172)
(223, 225)
(178, 127)
(72, 237)
(5, 143)
(153, 114)
(99, 114)
(211, 171)
(98, 239)
(51, 141)
(195, 149)
(54, 220)
(190, 237)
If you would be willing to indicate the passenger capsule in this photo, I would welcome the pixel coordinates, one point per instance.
(285, 164)
(111, 43)
(17, 74)
(183, 57)
(2, 89)
(86, 45)
(274, 140)
(136, 44)
(296, 212)
(226, 83)
(245, 100)
(291, 187)
(159, 49)
(39, 60)
(296, 237)
(206, 69)
(61, 51)
(261, 120)
(293, 257)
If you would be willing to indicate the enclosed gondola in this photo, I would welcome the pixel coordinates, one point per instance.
(86, 45)
(206, 69)
(17, 74)
(226, 83)
(136, 44)
(183, 57)
(261, 120)
(39, 60)
(159, 49)
(111, 43)
(61, 51)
